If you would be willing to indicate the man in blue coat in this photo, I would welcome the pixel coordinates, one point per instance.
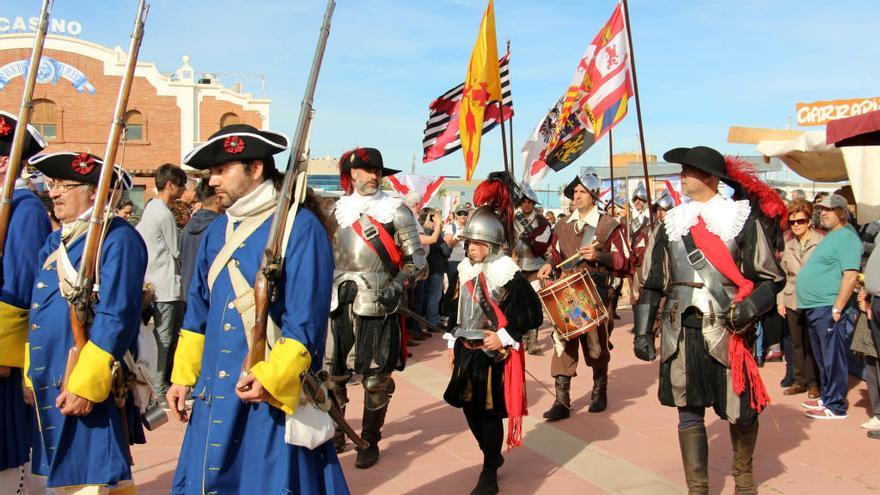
(81, 436)
(235, 440)
(28, 228)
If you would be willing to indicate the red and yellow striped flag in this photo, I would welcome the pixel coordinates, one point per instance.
(482, 87)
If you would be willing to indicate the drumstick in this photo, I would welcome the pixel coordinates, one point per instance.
(571, 258)
(575, 256)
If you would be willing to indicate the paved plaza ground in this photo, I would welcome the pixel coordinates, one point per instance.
(632, 448)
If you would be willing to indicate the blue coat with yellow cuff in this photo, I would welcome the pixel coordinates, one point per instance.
(28, 228)
(91, 449)
(233, 447)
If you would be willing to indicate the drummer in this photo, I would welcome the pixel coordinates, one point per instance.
(593, 241)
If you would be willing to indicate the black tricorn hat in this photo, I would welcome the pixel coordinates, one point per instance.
(702, 157)
(78, 167)
(33, 140)
(364, 158)
(237, 142)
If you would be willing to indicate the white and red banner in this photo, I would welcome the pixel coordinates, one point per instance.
(426, 185)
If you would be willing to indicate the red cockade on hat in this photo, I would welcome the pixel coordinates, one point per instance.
(233, 145)
(5, 128)
(83, 164)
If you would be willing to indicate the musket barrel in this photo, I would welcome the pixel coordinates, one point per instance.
(82, 297)
(271, 266)
(13, 170)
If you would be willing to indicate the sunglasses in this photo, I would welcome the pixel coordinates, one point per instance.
(800, 221)
(462, 213)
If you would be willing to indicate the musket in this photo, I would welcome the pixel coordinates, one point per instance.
(83, 295)
(290, 197)
(13, 169)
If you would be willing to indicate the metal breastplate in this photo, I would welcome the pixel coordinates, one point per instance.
(472, 320)
(526, 258)
(681, 270)
(357, 262)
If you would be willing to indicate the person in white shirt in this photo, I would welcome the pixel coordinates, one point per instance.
(452, 235)
(159, 230)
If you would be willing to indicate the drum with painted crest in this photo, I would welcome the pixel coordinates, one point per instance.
(573, 305)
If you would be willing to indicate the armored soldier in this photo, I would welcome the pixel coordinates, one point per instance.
(497, 306)
(533, 234)
(26, 232)
(378, 255)
(639, 208)
(82, 432)
(598, 240)
(639, 240)
(712, 258)
(235, 440)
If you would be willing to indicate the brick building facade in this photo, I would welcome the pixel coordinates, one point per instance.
(75, 96)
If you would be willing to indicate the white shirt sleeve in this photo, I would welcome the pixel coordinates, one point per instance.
(507, 340)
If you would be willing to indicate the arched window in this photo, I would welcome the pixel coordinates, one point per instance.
(134, 125)
(229, 119)
(45, 118)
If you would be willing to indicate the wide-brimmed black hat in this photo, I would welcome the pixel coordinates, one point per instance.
(369, 158)
(238, 142)
(33, 140)
(702, 157)
(78, 167)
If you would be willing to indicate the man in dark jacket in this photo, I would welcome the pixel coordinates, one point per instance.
(191, 236)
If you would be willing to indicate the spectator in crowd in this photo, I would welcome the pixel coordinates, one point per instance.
(438, 254)
(417, 299)
(124, 209)
(824, 290)
(452, 237)
(800, 366)
(551, 218)
(159, 230)
(798, 194)
(191, 236)
(817, 224)
(869, 302)
(469, 206)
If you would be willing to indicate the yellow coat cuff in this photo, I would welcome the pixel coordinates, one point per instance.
(188, 358)
(90, 378)
(27, 366)
(13, 335)
(280, 374)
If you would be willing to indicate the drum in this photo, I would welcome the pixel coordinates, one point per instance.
(573, 305)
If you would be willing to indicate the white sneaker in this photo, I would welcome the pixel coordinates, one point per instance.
(872, 424)
(824, 413)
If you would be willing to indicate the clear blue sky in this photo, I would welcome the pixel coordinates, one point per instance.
(702, 65)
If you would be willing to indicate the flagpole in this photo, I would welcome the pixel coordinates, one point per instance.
(632, 62)
(504, 138)
(510, 85)
(611, 168)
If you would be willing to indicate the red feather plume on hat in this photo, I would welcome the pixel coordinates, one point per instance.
(345, 180)
(768, 200)
(495, 192)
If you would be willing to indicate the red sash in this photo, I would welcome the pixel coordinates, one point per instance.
(742, 362)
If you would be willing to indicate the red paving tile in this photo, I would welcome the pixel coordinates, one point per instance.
(427, 448)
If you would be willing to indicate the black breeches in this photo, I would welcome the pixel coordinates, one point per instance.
(488, 428)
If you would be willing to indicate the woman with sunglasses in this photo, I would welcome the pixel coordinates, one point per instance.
(800, 365)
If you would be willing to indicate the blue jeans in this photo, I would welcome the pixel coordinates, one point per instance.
(433, 294)
(830, 349)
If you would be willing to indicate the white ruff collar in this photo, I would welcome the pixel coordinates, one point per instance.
(724, 217)
(498, 269)
(257, 201)
(380, 206)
